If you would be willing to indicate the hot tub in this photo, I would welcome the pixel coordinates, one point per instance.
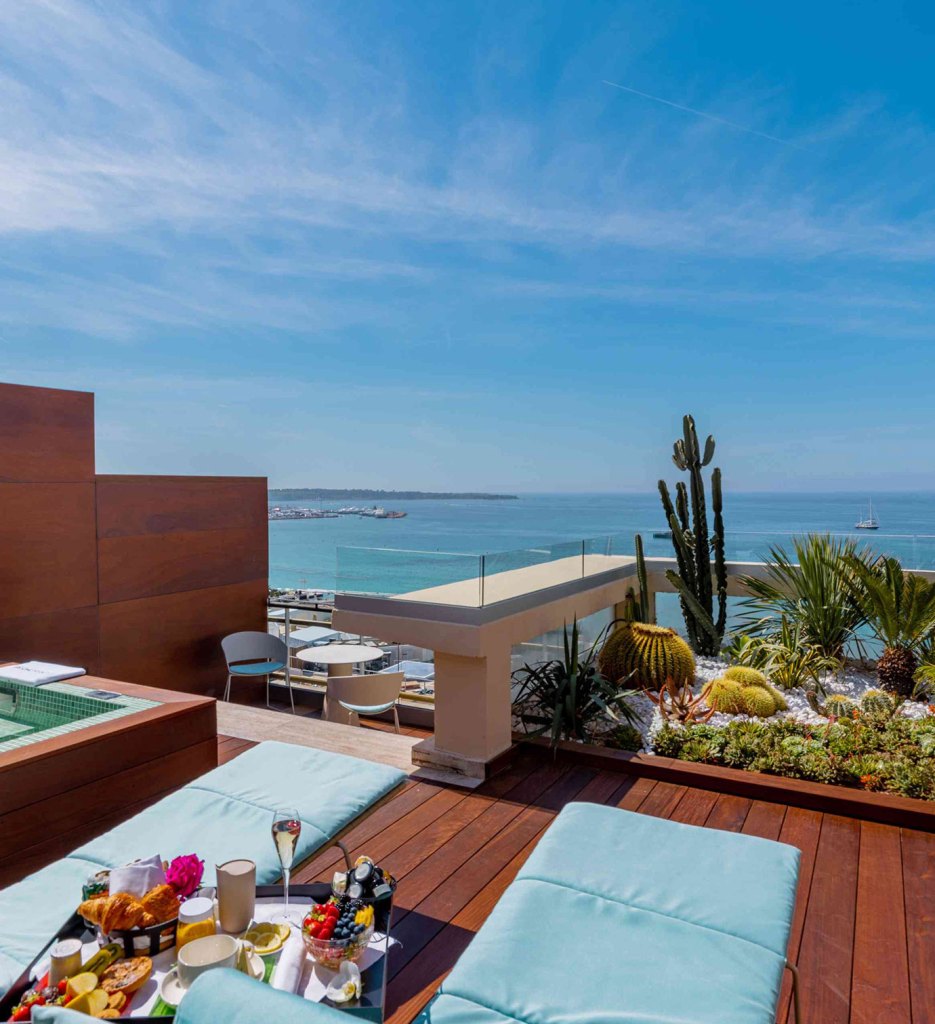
(29, 714)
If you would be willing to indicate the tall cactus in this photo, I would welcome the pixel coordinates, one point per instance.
(693, 546)
(638, 611)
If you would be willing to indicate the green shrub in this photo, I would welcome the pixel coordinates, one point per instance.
(889, 754)
(625, 737)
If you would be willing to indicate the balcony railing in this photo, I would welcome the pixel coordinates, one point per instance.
(481, 579)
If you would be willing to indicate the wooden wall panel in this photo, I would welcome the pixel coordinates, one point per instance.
(134, 505)
(133, 567)
(46, 434)
(160, 535)
(48, 551)
(67, 637)
(173, 640)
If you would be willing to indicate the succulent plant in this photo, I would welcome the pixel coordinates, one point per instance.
(723, 694)
(677, 702)
(758, 701)
(646, 655)
(745, 676)
(877, 700)
(835, 706)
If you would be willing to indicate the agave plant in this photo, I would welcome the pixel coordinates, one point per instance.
(810, 589)
(566, 697)
(900, 611)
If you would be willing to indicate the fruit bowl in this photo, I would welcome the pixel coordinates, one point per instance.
(338, 931)
(333, 952)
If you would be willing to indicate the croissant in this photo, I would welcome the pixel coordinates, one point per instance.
(91, 909)
(162, 903)
(121, 912)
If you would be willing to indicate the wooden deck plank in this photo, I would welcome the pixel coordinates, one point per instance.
(880, 978)
(663, 800)
(694, 807)
(918, 850)
(729, 813)
(802, 829)
(764, 819)
(826, 952)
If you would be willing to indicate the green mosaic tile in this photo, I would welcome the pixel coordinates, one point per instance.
(38, 712)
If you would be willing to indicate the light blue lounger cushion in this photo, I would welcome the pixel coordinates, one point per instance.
(224, 814)
(230, 997)
(621, 917)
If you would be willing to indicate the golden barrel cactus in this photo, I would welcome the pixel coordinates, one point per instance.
(723, 694)
(652, 654)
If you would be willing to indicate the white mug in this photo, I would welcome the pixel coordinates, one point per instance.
(207, 953)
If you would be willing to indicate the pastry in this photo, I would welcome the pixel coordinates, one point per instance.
(147, 920)
(91, 909)
(162, 903)
(121, 912)
(127, 976)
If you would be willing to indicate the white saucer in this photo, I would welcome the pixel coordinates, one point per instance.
(172, 992)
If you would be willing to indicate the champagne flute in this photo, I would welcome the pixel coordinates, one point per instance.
(286, 831)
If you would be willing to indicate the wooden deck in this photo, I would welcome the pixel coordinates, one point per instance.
(864, 929)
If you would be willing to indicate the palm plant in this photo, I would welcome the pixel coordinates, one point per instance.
(900, 610)
(810, 589)
(566, 697)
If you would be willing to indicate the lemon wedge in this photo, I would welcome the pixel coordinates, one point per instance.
(267, 938)
(81, 984)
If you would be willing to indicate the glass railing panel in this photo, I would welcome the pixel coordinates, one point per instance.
(454, 577)
(509, 574)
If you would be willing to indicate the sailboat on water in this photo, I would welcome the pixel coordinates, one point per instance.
(870, 523)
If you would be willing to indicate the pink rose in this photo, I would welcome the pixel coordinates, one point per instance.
(184, 874)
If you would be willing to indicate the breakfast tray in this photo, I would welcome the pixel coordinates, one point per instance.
(147, 1007)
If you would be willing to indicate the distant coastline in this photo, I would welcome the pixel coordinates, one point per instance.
(324, 494)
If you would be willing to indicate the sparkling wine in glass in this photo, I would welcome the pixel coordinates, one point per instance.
(286, 831)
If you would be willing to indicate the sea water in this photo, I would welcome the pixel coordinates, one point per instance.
(441, 540)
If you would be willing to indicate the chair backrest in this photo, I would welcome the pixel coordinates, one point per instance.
(366, 691)
(251, 645)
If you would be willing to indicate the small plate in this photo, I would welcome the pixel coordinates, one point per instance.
(172, 992)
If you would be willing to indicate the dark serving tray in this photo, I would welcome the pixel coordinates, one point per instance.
(370, 1006)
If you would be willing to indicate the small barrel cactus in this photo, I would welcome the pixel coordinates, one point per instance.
(834, 706)
(647, 655)
(877, 700)
(723, 694)
(759, 701)
(745, 676)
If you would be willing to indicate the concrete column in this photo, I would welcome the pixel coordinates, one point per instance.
(473, 713)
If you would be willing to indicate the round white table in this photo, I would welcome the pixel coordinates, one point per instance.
(340, 659)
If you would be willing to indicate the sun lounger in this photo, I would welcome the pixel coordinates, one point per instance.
(223, 814)
(621, 917)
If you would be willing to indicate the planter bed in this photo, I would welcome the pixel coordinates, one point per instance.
(818, 796)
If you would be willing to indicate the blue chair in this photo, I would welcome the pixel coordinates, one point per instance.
(252, 653)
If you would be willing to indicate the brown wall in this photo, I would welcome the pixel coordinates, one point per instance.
(132, 577)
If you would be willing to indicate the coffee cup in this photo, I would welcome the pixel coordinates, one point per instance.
(205, 954)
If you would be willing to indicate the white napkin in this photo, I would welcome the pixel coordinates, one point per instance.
(289, 971)
(138, 878)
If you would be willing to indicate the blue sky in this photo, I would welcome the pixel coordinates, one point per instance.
(428, 245)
